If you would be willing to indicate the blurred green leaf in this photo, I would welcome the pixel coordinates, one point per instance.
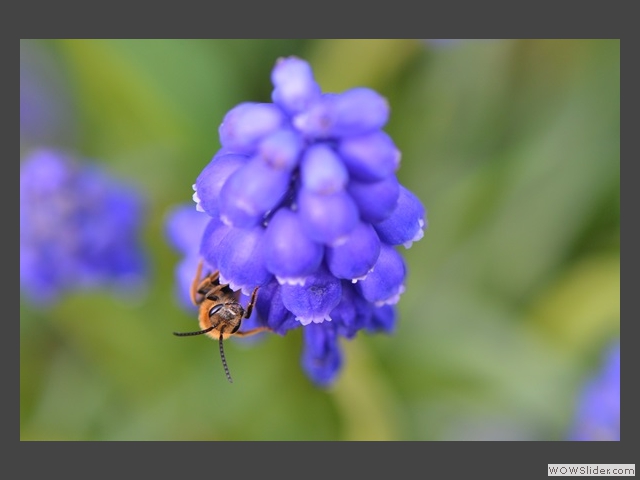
(341, 64)
(581, 310)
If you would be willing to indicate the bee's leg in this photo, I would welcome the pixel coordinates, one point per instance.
(247, 314)
(207, 285)
(195, 284)
(252, 302)
(211, 292)
(253, 331)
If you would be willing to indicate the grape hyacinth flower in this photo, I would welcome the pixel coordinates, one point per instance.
(304, 202)
(598, 413)
(79, 228)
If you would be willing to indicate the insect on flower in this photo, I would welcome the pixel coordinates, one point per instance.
(220, 312)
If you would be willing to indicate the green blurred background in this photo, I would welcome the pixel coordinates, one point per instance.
(512, 294)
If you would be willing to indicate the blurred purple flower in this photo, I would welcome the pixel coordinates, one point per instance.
(45, 104)
(304, 201)
(598, 411)
(79, 228)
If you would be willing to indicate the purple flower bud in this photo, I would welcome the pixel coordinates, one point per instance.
(385, 284)
(281, 149)
(376, 201)
(354, 112)
(407, 222)
(371, 157)
(270, 307)
(352, 313)
(322, 171)
(246, 124)
(383, 319)
(212, 178)
(240, 257)
(294, 85)
(355, 257)
(314, 301)
(321, 356)
(213, 234)
(184, 227)
(327, 219)
(250, 192)
(290, 255)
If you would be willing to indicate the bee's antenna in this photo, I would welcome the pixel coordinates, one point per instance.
(199, 332)
(224, 360)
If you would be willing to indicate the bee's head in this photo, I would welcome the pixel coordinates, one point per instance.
(228, 315)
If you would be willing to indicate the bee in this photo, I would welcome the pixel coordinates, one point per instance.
(220, 313)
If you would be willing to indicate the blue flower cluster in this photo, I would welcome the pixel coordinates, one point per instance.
(79, 228)
(304, 202)
(598, 413)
